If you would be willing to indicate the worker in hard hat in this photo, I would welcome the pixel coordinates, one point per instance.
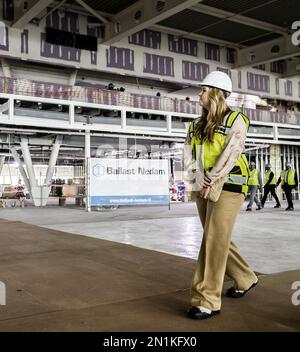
(213, 151)
(270, 186)
(289, 181)
(254, 182)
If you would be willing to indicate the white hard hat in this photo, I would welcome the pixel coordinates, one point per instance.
(218, 79)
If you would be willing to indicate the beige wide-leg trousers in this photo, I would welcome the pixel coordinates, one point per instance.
(218, 254)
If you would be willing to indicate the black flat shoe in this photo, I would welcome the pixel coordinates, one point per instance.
(196, 313)
(234, 293)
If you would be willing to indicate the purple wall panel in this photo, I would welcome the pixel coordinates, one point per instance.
(8, 10)
(59, 51)
(277, 86)
(225, 70)
(231, 53)
(182, 45)
(159, 65)
(63, 20)
(147, 38)
(288, 87)
(24, 41)
(4, 42)
(212, 52)
(277, 66)
(93, 57)
(194, 71)
(120, 58)
(259, 83)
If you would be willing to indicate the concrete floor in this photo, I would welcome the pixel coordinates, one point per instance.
(269, 239)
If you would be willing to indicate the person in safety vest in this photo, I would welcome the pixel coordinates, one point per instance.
(253, 183)
(213, 152)
(270, 186)
(288, 180)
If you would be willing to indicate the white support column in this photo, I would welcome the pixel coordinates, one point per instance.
(21, 169)
(11, 109)
(123, 118)
(87, 150)
(275, 133)
(2, 161)
(6, 68)
(169, 123)
(72, 78)
(28, 161)
(87, 153)
(53, 159)
(71, 114)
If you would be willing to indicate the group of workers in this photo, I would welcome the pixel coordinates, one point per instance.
(288, 180)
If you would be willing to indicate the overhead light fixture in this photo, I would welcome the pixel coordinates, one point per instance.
(78, 109)
(60, 107)
(18, 103)
(39, 106)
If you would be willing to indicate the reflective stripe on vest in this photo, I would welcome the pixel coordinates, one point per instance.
(237, 179)
(253, 180)
(288, 177)
(207, 153)
(267, 177)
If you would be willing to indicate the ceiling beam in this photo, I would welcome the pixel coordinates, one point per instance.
(273, 50)
(34, 8)
(81, 11)
(292, 69)
(195, 36)
(231, 16)
(141, 15)
(92, 11)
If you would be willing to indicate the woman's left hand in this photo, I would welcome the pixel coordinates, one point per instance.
(207, 181)
(204, 192)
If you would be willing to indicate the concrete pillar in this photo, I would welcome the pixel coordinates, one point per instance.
(21, 169)
(72, 78)
(6, 68)
(53, 159)
(87, 144)
(28, 161)
(2, 160)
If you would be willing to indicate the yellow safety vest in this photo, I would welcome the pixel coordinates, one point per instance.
(207, 153)
(267, 176)
(253, 180)
(288, 176)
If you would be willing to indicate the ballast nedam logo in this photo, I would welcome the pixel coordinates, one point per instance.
(99, 170)
(296, 35)
(132, 171)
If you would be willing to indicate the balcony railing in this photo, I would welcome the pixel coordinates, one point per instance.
(95, 95)
(116, 98)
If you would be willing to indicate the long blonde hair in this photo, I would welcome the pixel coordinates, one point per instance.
(212, 118)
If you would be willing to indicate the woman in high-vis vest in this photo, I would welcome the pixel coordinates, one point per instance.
(213, 151)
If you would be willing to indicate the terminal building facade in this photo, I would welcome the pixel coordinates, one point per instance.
(122, 80)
